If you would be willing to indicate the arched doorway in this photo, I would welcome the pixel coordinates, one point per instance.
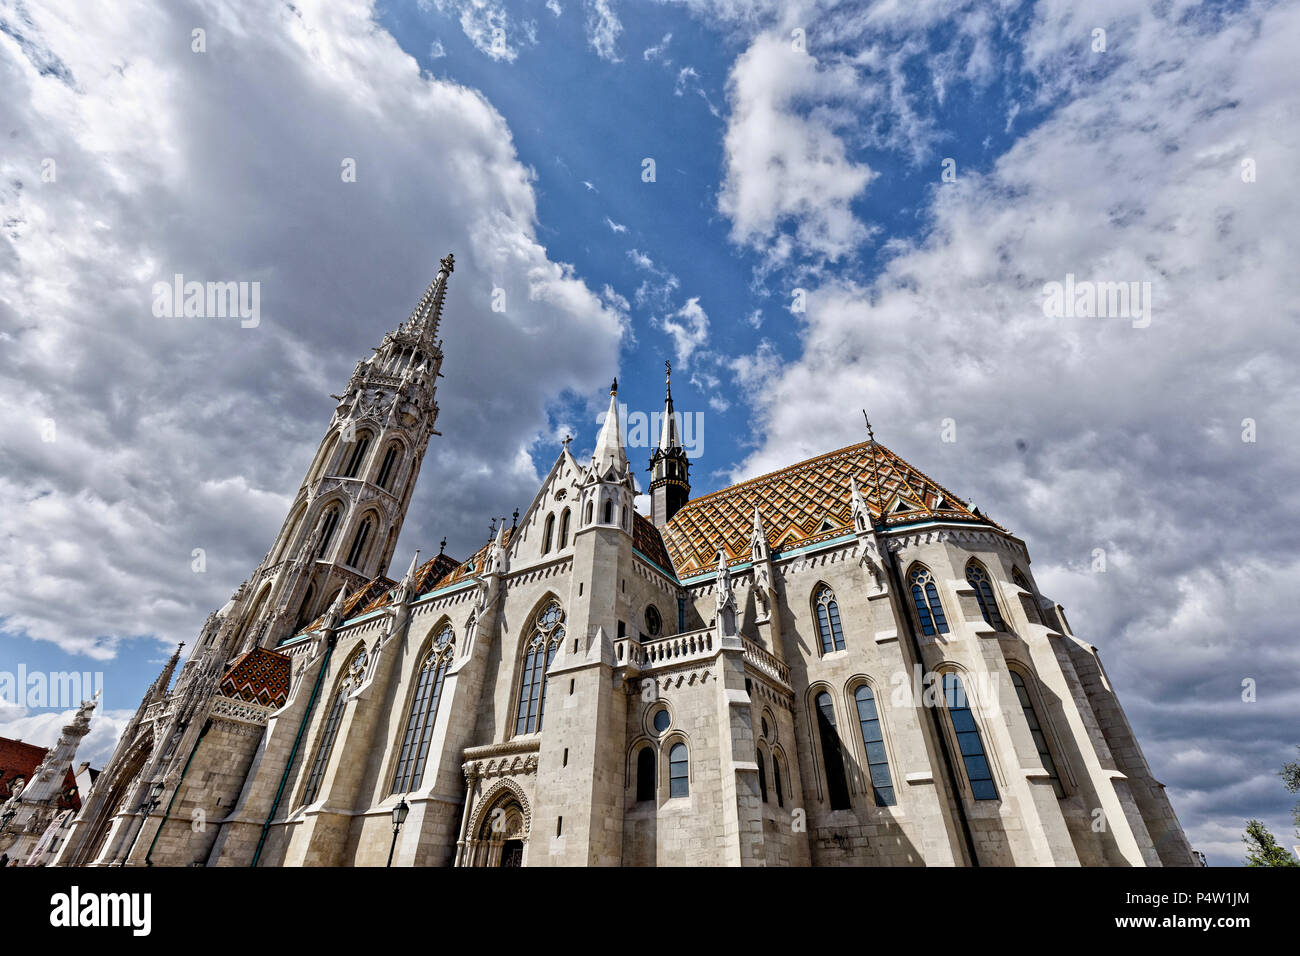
(501, 836)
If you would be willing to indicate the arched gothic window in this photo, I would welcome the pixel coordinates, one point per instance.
(564, 529)
(776, 780)
(359, 543)
(1036, 730)
(547, 633)
(591, 505)
(679, 771)
(358, 456)
(609, 512)
(424, 712)
(828, 620)
(547, 533)
(762, 776)
(388, 470)
(1031, 610)
(328, 524)
(969, 741)
(928, 607)
(836, 783)
(873, 741)
(352, 677)
(978, 578)
(645, 774)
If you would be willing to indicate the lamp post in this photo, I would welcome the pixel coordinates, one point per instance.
(147, 807)
(399, 817)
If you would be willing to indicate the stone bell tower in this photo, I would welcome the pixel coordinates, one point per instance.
(670, 469)
(343, 525)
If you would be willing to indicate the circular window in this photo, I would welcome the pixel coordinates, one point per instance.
(653, 622)
(661, 721)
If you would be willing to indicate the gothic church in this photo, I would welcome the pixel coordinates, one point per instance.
(838, 663)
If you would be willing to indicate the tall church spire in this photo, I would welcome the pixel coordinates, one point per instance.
(428, 311)
(670, 482)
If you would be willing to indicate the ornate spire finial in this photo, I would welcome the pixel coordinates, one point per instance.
(875, 469)
(428, 311)
(442, 546)
(515, 523)
(613, 389)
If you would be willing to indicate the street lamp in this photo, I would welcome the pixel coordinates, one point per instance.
(399, 817)
(147, 807)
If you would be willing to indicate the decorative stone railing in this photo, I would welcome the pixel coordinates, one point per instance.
(666, 651)
(765, 662)
(240, 711)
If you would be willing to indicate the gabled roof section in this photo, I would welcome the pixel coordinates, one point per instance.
(260, 677)
(427, 577)
(798, 502)
(475, 564)
(647, 540)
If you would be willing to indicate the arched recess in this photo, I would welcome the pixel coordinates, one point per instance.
(825, 733)
(489, 839)
(870, 740)
(968, 732)
(320, 467)
(115, 796)
(365, 537)
(350, 677)
(1029, 693)
(254, 610)
(291, 529)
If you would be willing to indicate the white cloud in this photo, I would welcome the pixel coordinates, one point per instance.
(603, 28)
(689, 329)
(787, 165)
(173, 435)
(437, 51)
(489, 27)
(1088, 433)
(615, 226)
(657, 50)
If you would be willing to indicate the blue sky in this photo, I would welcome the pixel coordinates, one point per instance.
(780, 165)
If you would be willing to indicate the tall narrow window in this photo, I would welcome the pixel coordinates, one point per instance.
(679, 771)
(978, 578)
(836, 783)
(828, 620)
(776, 781)
(1036, 729)
(1031, 610)
(547, 634)
(882, 784)
(609, 512)
(762, 776)
(547, 533)
(358, 456)
(331, 728)
(645, 774)
(388, 470)
(926, 596)
(423, 713)
(359, 543)
(564, 529)
(590, 505)
(969, 741)
(327, 527)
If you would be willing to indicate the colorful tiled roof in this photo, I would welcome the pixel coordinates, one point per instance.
(427, 577)
(806, 503)
(259, 676)
(356, 602)
(475, 563)
(647, 540)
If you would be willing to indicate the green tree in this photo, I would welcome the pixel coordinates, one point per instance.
(1262, 848)
(1291, 780)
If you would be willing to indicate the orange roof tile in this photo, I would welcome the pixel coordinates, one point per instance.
(804, 503)
(259, 676)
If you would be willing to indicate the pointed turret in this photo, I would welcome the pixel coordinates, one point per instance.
(609, 451)
(406, 590)
(164, 681)
(670, 483)
(758, 539)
